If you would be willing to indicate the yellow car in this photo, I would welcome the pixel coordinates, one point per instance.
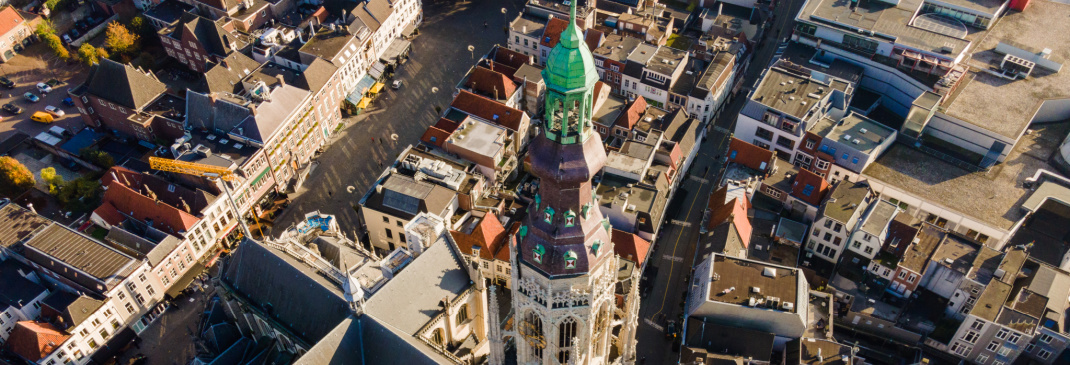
(42, 117)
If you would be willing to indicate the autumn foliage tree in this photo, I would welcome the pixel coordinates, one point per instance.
(14, 177)
(119, 39)
(91, 55)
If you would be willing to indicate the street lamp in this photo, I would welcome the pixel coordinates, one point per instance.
(472, 50)
(505, 16)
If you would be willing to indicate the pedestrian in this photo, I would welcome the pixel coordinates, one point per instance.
(484, 24)
(329, 193)
(380, 164)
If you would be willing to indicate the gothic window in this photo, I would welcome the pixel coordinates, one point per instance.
(566, 332)
(439, 337)
(601, 324)
(531, 329)
(462, 314)
(537, 253)
(570, 260)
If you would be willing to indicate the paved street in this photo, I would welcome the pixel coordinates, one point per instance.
(439, 59)
(674, 252)
(38, 64)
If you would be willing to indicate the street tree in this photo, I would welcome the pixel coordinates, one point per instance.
(119, 39)
(15, 178)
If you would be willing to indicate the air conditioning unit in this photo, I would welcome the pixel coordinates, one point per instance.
(787, 306)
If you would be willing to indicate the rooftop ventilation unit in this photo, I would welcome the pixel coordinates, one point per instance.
(856, 141)
(863, 130)
(787, 306)
(847, 137)
(755, 290)
(770, 272)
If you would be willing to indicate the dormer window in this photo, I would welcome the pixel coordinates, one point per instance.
(596, 246)
(548, 215)
(570, 219)
(537, 253)
(570, 260)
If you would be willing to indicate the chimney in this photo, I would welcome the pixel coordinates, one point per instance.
(524, 29)
(282, 81)
(224, 64)
(252, 109)
(30, 207)
(213, 97)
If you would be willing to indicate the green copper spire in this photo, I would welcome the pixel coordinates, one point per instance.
(570, 77)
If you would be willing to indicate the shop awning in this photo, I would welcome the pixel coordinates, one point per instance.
(183, 282)
(358, 91)
(376, 88)
(376, 71)
(364, 102)
(399, 47)
(408, 30)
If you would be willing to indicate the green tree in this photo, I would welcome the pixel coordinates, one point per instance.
(15, 178)
(101, 53)
(57, 46)
(88, 54)
(118, 39)
(44, 28)
(96, 157)
(54, 180)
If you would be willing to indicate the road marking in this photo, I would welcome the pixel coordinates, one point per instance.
(673, 258)
(676, 245)
(721, 129)
(699, 179)
(680, 223)
(652, 324)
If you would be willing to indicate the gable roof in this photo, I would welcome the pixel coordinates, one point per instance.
(632, 114)
(9, 19)
(552, 33)
(208, 33)
(749, 155)
(488, 109)
(123, 84)
(490, 83)
(226, 76)
(809, 187)
(593, 38)
(317, 74)
(435, 136)
(630, 246)
(121, 201)
(488, 234)
(734, 211)
(72, 308)
(35, 340)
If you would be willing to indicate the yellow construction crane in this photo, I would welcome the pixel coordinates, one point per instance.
(208, 171)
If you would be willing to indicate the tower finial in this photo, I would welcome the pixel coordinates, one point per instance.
(572, 14)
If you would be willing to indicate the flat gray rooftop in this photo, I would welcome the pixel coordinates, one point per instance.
(737, 277)
(991, 197)
(479, 137)
(665, 60)
(789, 91)
(879, 217)
(642, 53)
(528, 25)
(1007, 107)
(982, 6)
(616, 47)
(881, 18)
(867, 132)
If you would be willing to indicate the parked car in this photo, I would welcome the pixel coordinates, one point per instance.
(30, 97)
(68, 101)
(12, 108)
(42, 117)
(67, 39)
(44, 88)
(55, 111)
(74, 34)
(670, 330)
(396, 85)
(6, 82)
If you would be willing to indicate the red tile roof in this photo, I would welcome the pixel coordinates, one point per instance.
(749, 155)
(632, 114)
(489, 235)
(435, 137)
(447, 125)
(35, 340)
(488, 109)
(502, 68)
(552, 33)
(630, 246)
(490, 83)
(734, 210)
(817, 193)
(513, 59)
(320, 14)
(593, 38)
(9, 19)
(121, 198)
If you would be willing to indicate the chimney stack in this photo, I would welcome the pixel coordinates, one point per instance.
(30, 207)
(282, 81)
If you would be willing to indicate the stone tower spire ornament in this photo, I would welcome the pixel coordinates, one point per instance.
(497, 345)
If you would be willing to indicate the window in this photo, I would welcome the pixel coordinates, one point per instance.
(150, 290)
(141, 277)
(977, 324)
(400, 224)
(809, 144)
(462, 314)
(982, 358)
(912, 278)
(566, 333)
(992, 346)
(1014, 337)
(808, 190)
(1045, 338)
(838, 227)
(1004, 351)
(828, 237)
(1002, 334)
(902, 274)
(139, 299)
(1030, 347)
(93, 344)
(439, 337)
(104, 333)
(785, 142)
(733, 154)
(129, 308)
(1044, 354)
(854, 160)
(960, 349)
(970, 337)
(114, 324)
(859, 44)
(828, 223)
(764, 134)
(386, 220)
(389, 234)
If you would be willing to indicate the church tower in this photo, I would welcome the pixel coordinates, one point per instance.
(565, 271)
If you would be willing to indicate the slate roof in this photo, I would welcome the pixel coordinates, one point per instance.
(630, 246)
(488, 109)
(73, 308)
(226, 76)
(729, 340)
(15, 289)
(17, 223)
(317, 74)
(123, 84)
(357, 340)
(411, 298)
(208, 33)
(35, 340)
(373, 13)
(593, 37)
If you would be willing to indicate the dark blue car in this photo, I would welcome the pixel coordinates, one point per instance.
(68, 102)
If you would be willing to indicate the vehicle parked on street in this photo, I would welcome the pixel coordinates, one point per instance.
(42, 117)
(6, 82)
(396, 85)
(30, 97)
(12, 108)
(55, 111)
(44, 88)
(67, 39)
(68, 101)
